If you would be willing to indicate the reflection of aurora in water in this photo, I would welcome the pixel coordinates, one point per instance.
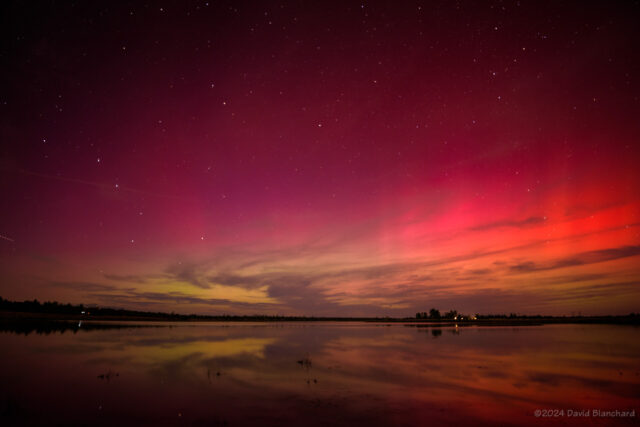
(249, 373)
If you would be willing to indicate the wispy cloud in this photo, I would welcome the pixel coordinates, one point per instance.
(184, 301)
(187, 273)
(584, 258)
(131, 278)
(528, 222)
(85, 286)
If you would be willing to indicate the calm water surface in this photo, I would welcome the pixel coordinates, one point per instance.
(318, 374)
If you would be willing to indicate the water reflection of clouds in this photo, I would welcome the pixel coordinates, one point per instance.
(483, 370)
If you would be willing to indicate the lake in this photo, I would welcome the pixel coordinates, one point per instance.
(319, 374)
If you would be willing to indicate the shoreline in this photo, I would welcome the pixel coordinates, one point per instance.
(16, 316)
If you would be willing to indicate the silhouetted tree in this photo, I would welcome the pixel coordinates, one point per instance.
(451, 314)
(434, 313)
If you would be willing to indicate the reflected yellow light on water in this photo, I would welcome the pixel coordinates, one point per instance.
(206, 349)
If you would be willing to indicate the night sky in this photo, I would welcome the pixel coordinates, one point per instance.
(322, 158)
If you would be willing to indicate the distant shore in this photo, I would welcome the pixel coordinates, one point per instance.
(35, 311)
(18, 316)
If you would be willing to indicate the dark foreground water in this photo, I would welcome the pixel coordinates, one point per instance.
(319, 374)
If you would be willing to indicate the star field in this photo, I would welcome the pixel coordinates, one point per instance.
(337, 158)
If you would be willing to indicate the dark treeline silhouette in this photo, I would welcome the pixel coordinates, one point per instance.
(453, 316)
(83, 312)
(55, 307)
(36, 306)
(51, 310)
(434, 314)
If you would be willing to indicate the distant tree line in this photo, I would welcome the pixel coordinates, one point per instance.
(434, 314)
(54, 307)
(36, 306)
(81, 312)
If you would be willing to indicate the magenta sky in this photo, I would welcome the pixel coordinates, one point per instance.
(345, 158)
